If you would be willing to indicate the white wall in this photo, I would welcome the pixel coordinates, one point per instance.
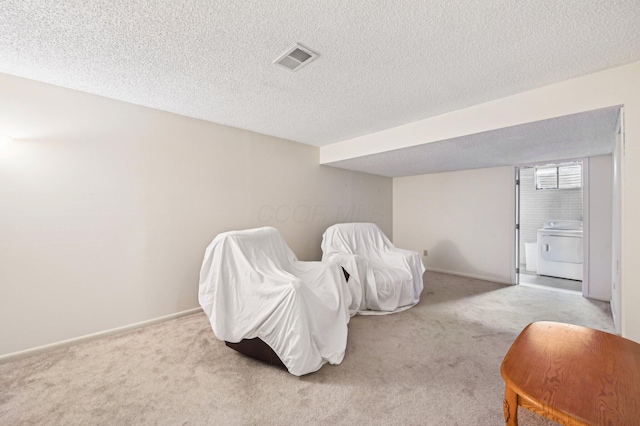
(464, 219)
(600, 226)
(616, 86)
(106, 207)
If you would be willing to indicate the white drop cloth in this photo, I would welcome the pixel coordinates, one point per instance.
(252, 285)
(383, 278)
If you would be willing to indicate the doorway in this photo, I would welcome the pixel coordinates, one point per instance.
(550, 225)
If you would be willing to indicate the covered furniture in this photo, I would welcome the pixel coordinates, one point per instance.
(252, 286)
(572, 375)
(382, 278)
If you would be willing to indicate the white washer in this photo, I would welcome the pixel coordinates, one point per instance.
(560, 249)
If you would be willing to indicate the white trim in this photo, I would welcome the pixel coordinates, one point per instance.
(586, 229)
(616, 221)
(515, 234)
(463, 274)
(88, 337)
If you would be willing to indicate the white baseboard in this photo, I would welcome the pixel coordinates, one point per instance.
(463, 274)
(86, 338)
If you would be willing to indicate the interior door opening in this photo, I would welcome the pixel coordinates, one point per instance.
(550, 224)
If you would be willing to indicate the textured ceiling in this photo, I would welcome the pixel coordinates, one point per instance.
(573, 136)
(381, 64)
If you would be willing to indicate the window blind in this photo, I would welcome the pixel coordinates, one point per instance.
(562, 176)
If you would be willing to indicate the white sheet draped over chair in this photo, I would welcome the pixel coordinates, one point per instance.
(383, 279)
(252, 285)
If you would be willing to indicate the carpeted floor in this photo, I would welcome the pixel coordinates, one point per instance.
(435, 364)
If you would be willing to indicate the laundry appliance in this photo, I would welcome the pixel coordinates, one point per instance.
(560, 249)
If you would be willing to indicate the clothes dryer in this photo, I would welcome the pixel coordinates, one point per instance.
(560, 249)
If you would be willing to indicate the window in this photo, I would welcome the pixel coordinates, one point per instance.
(560, 176)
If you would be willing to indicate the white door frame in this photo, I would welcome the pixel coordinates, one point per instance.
(585, 219)
(616, 218)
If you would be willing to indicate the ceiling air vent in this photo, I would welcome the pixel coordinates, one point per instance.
(296, 58)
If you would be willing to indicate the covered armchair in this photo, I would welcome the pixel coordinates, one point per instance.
(382, 278)
(252, 286)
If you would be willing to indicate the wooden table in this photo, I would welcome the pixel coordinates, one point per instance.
(572, 375)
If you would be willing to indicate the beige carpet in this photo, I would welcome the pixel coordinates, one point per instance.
(435, 364)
